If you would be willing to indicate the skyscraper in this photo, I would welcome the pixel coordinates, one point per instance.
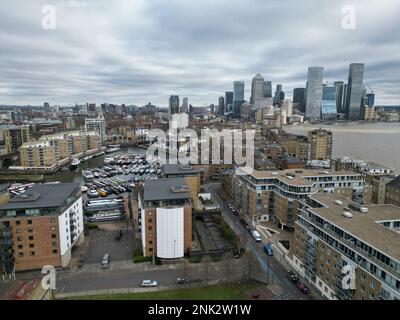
(228, 101)
(279, 94)
(267, 89)
(185, 104)
(221, 105)
(314, 93)
(339, 95)
(299, 98)
(329, 110)
(173, 105)
(238, 96)
(354, 91)
(257, 88)
(344, 101)
(370, 99)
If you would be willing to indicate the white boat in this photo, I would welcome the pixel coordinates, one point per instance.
(113, 148)
(108, 160)
(87, 174)
(75, 163)
(84, 188)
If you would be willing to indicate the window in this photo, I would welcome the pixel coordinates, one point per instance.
(20, 254)
(53, 236)
(55, 251)
(53, 228)
(19, 230)
(54, 244)
(18, 223)
(30, 222)
(19, 238)
(20, 246)
(32, 253)
(52, 220)
(31, 245)
(30, 237)
(30, 229)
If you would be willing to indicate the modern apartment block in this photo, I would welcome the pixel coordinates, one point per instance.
(332, 232)
(393, 192)
(275, 195)
(40, 227)
(166, 218)
(320, 141)
(51, 150)
(97, 126)
(14, 137)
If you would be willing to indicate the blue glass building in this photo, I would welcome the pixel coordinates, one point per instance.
(329, 110)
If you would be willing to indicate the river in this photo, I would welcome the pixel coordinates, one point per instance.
(374, 142)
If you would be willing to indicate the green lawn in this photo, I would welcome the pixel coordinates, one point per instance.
(220, 292)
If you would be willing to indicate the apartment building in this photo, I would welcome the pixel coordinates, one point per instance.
(320, 143)
(194, 175)
(166, 218)
(332, 232)
(4, 194)
(14, 137)
(50, 150)
(379, 184)
(393, 192)
(40, 227)
(275, 195)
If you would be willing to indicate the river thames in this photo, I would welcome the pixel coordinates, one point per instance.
(374, 142)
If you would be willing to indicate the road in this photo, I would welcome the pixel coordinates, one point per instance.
(277, 272)
(131, 278)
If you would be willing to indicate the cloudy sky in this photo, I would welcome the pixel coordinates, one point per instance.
(136, 51)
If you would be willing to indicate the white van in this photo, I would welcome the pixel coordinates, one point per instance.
(256, 235)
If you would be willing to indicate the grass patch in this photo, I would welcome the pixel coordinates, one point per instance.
(195, 259)
(138, 259)
(233, 291)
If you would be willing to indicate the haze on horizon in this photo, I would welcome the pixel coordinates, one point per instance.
(134, 52)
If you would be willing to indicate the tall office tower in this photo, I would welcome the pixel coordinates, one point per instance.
(314, 93)
(238, 96)
(173, 105)
(329, 105)
(228, 101)
(287, 107)
(257, 88)
(299, 98)
(267, 89)
(97, 125)
(370, 99)
(363, 97)
(354, 91)
(344, 101)
(339, 95)
(46, 107)
(221, 105)
(185, 104)
(279, 94)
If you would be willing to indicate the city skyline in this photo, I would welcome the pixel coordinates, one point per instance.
(128, 53)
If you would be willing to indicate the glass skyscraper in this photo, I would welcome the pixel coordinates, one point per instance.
(299, 97)
(329, 110)
(314, 93)
(173, 105)
(267, 89)
(354, 91)
(228, 101)
(238, 96)
(339, 95)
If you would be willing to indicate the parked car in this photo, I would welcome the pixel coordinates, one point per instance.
(303, 288)
(105, 261)
(268, 249)
(181, 280)
(293, 277)
(149, 283)
(234, 211)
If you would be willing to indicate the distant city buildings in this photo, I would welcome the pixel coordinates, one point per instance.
(314, 93)
(339, 85)
(299, 99)
(228, 102)
(354, 91)
(221, 106)
(97, 125)
(329, 106)
(279, 94)
(238, 96)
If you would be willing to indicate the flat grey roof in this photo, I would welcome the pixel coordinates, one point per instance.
(162, 189)
(3, 187)
(42, 196)
(364, 226)
(180, 169)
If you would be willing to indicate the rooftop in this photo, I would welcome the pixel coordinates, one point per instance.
(395, 183)
(3, 188)
(42, 196)
(176, 169)
(166, 189)
(364, 226)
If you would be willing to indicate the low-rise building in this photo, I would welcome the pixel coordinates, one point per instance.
(393, 192)
(166, 218)
(333, 232)
(40, 227)
(274, 195)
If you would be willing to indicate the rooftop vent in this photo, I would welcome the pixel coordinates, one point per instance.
(338, 202)
(183, 188)
(186, 167)
(347, 214)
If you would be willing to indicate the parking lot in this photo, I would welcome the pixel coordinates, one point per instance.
(103, 241)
